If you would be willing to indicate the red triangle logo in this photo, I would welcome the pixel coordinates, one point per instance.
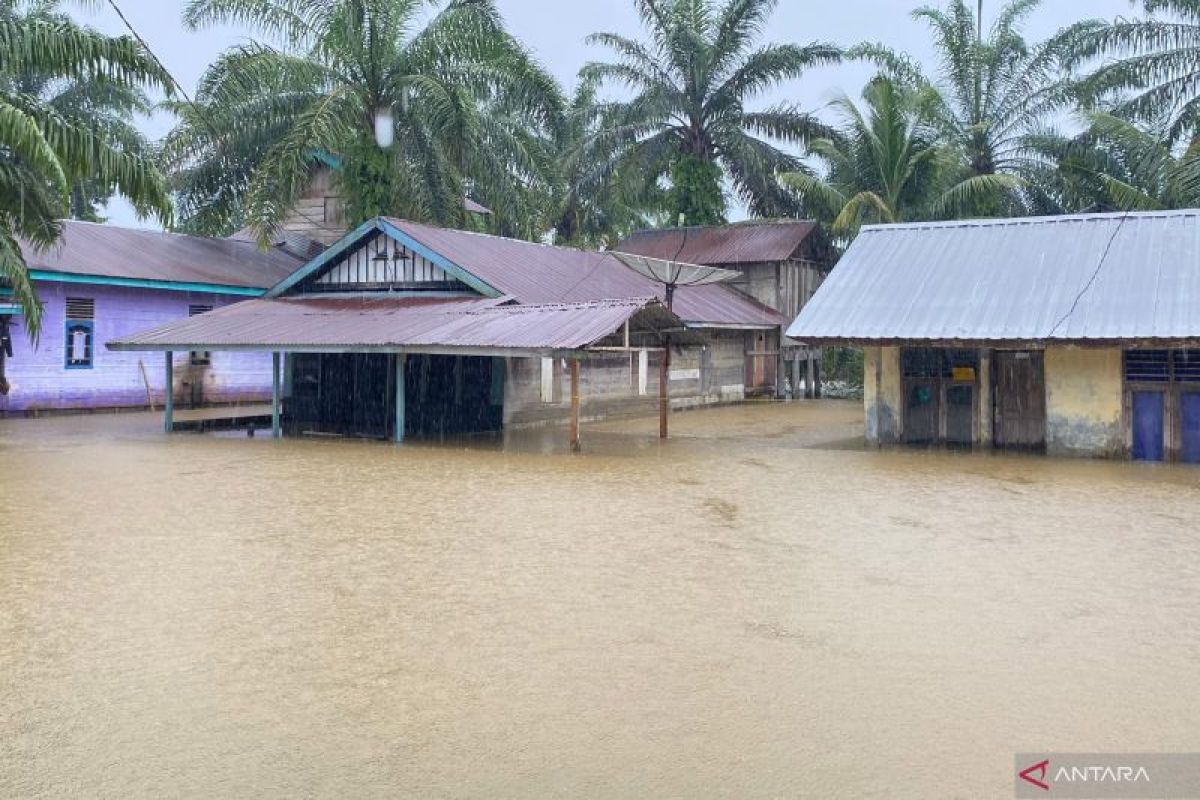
(1039, 770)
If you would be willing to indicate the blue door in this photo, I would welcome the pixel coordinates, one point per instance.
(1148, 426)
(1189, 427)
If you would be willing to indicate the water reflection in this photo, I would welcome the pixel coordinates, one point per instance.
(758, 607)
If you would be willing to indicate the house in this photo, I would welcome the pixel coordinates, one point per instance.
(406, 329)
(780, 263)
(102, 282)
(1074, 335)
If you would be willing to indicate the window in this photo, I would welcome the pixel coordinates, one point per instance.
(80, 333)
(199, 358)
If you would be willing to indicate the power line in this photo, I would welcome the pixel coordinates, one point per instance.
(195, 107)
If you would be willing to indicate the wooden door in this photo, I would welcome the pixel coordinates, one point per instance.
(1020, 400)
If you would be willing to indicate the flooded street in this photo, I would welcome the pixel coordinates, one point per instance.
(757, 608)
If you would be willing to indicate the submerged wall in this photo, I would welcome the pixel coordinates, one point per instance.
(1084, 392)
(39, 379)
(883, 394)
(537, 390)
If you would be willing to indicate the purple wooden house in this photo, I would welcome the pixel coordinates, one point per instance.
(101, 282)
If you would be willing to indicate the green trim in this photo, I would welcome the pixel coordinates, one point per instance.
(334, 162)
(5, 291)
(338, 248)
(11, 308)
(143, 283)
(351, 240)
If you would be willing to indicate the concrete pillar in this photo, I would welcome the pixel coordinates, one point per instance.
(276, 374)
(984, 431)
(810, 377)
(401, 368)
(169, 394)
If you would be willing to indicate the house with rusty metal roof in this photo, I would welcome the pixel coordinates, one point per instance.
(405, 329)
(1077, 335)
(780, 263)
(102, 282)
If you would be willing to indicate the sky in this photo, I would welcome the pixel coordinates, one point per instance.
(555, 31)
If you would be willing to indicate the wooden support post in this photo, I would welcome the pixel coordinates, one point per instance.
(169, 394)
(276, 373)
(575, 405)
(401, 384)
(810, 378)
(664, 391)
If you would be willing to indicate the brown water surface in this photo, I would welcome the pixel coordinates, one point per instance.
(759, 607)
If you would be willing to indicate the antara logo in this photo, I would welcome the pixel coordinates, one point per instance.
(1039, 774)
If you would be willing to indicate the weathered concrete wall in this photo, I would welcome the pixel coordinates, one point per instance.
(610, 384)
(883, 394)
(39, 379)
(1084, 402)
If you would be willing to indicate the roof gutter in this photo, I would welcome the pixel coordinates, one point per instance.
(50, 276)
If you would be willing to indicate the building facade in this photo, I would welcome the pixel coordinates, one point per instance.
(406, 329)
(100, 283)
(1071, 335)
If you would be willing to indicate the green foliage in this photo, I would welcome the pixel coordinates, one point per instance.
(883, 165)
(990, 93)
(691, 84)
(843, 365)
(471, 108)
(1144, 69)
(695, 195)
(66, 95)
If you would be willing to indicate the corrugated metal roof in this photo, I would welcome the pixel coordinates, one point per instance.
(740, 243)
(1098, 277)
(366, 322)
(541, 273)
(108, 251)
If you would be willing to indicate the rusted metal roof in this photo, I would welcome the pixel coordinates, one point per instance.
(1079, 278)
(380, 323)
(740, 243)
(108, 251)
(540, 273)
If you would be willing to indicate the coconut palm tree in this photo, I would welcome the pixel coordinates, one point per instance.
(463, 102)
(688, 117)
(1147, 68)
(883, 165)
(1113, 163)
(990, 91)
(49, 146)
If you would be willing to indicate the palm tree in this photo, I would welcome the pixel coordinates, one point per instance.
(1113, 163)
(1148, 67)
(592, 207)
(989, 93)
(883, 165)
(466, 105)
(91, 101)
(47, 151)
(688, 117)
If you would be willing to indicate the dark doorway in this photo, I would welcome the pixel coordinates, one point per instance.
(1020, 400)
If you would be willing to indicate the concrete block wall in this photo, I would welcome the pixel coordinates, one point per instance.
(1084, 401)
(39, 379)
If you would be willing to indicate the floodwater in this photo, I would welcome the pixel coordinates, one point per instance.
(759, 607)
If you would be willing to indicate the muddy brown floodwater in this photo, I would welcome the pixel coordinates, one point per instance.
(758, 608)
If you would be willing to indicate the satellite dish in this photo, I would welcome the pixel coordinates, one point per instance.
(674, 273)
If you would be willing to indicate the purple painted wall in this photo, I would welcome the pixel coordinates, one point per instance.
(39, 379)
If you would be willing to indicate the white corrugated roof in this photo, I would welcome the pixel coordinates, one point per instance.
(1078, 277)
